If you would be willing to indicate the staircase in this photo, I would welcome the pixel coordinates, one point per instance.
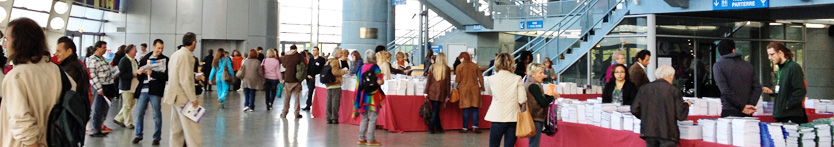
(578, 31)
(408, 42)
(462, 12)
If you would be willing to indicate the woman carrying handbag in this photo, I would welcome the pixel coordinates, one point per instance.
(469, 88)
(221, 75)
(508, 93)
(538, 101)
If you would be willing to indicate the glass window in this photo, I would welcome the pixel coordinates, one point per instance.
(577, 73)
(38, 17)
(777, 31)
(39, 5)
(632, 25)
(794, 32)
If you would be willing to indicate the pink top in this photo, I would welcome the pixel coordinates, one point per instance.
(272, 69)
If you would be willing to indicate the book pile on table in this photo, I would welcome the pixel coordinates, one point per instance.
(746, 132)
(792, 132)
(772, 135)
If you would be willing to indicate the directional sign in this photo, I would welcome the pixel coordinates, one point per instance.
(477, 27)
(436, 48)
(739, 4)
(397, 2)
(521, 25)
(535, 24)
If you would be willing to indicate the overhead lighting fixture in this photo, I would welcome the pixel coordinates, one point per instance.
(815, 26)
(775, 24)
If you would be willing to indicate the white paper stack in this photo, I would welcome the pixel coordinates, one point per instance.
(807, 136)
(402, 86)
(723, 131)
(637, 126)
(714, 106)
(606, 119)
(563, 111)
(597, 115)
(589, 113)
(746, 132)
(776, 134)
(572, 113)
(487, 90)
(628, 122)
(420, 86)
(616, 120)
(580, 114)
(411, 88)
(689, 130)
(708, 129)
(792, 131)
(701, 106)
(390, 87)
(823, 134)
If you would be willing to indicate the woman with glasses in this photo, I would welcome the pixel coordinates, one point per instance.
(619, 89)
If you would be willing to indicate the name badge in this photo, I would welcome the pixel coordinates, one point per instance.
(777, 89)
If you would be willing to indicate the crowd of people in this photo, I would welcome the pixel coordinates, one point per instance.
(140, 77)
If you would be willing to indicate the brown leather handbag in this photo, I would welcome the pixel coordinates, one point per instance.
(455, 96)
(525, 127)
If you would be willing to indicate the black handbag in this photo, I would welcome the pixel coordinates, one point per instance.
(425, 112)
(110, 91)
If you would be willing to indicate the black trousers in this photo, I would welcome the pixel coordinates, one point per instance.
(795, 119)
(311, 86)
(733, 112)
(659, 142)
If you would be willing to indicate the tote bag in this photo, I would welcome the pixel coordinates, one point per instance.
(525, 127)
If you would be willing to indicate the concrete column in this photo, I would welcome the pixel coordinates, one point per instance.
(651, 44)
(357, 14)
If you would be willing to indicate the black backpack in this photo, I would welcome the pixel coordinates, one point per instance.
(68, 118)
(327, 76)
(368, 82)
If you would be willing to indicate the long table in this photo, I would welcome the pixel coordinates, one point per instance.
(575, 134)
(399, 113)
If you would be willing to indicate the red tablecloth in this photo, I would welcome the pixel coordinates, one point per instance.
(574, 134)
(399, 113)
(581, 97)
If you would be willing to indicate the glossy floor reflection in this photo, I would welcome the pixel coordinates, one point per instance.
(233, 127)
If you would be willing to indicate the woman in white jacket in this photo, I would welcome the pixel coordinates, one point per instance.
(503, 111)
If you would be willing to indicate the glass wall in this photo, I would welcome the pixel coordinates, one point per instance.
(689, 45)
(303, 22)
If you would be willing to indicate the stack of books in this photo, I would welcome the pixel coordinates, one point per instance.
(708, 129)
(772, 135)
(723, 131)
(823, 132)
(746, 132)
(792, 132)
(807, 136)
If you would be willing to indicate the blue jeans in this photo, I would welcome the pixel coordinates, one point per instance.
(434, 125)
(270, 90)
(141, 107)
(502, 129)
(535, 140)
(100, 108)
(250, 98)
(474, 116)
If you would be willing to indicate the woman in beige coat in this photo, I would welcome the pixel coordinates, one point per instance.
(507, 93)
(470, 84)
(30, 89)
(252, 79)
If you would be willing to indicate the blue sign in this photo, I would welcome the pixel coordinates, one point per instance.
(738, 4)
(521, 25)
(477, 27)
(398, 2)
(536, 24)
(437, 48)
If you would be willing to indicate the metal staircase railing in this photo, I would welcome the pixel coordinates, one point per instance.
(411, 34)
(557, 31)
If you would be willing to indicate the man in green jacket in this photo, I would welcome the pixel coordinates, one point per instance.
(790, 87)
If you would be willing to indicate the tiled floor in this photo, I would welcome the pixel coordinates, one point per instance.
(233, 127)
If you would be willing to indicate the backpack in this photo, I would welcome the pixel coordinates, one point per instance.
(327, 76)
(68, 118)
(369, 82)
(550, 127)
(301, 70)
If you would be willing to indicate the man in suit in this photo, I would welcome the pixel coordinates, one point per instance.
(737, 80)
(184, 131)
(637, 72)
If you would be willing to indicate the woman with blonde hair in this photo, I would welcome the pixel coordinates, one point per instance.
(470, 84)
(402, 64)
(438, 90)
(272, 74)
(507, 93)
(538, 99)
(383, 60)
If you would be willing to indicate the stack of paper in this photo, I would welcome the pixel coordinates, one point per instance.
(701, 106)
(637, 126)
(597, 115)
(792, 134)
(402, 86)
(411, 88)
(823, 134)
(689, 130)
(807, 136)
(776, 134)
(564, 108)
(723, 133)
(746, 132)
(714, 106)
(487, 90)
(589, 113)
(580, 113)
(606, 119)
(708, 129)
(628, 122)
(616, 120)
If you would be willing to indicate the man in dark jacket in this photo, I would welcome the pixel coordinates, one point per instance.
(313, 68)
(637, 72)
(739, 85)
(790, 87)
(206, 69)
(261, 54)
(127, 87)
(69, 62)
(292, 85)
(152, 78)
(660, 105)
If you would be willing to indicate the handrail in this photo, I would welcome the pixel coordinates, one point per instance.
(549, 30)
(598, 22)
(409, 33)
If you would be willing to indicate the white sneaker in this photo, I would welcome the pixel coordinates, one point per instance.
(250, 110)
(245, 109)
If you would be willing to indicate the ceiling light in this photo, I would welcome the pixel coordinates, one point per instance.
(775, 24)
(816, 26)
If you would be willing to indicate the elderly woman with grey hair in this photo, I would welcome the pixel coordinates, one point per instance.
(618, 57)
(368, 98)
(663, 104)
